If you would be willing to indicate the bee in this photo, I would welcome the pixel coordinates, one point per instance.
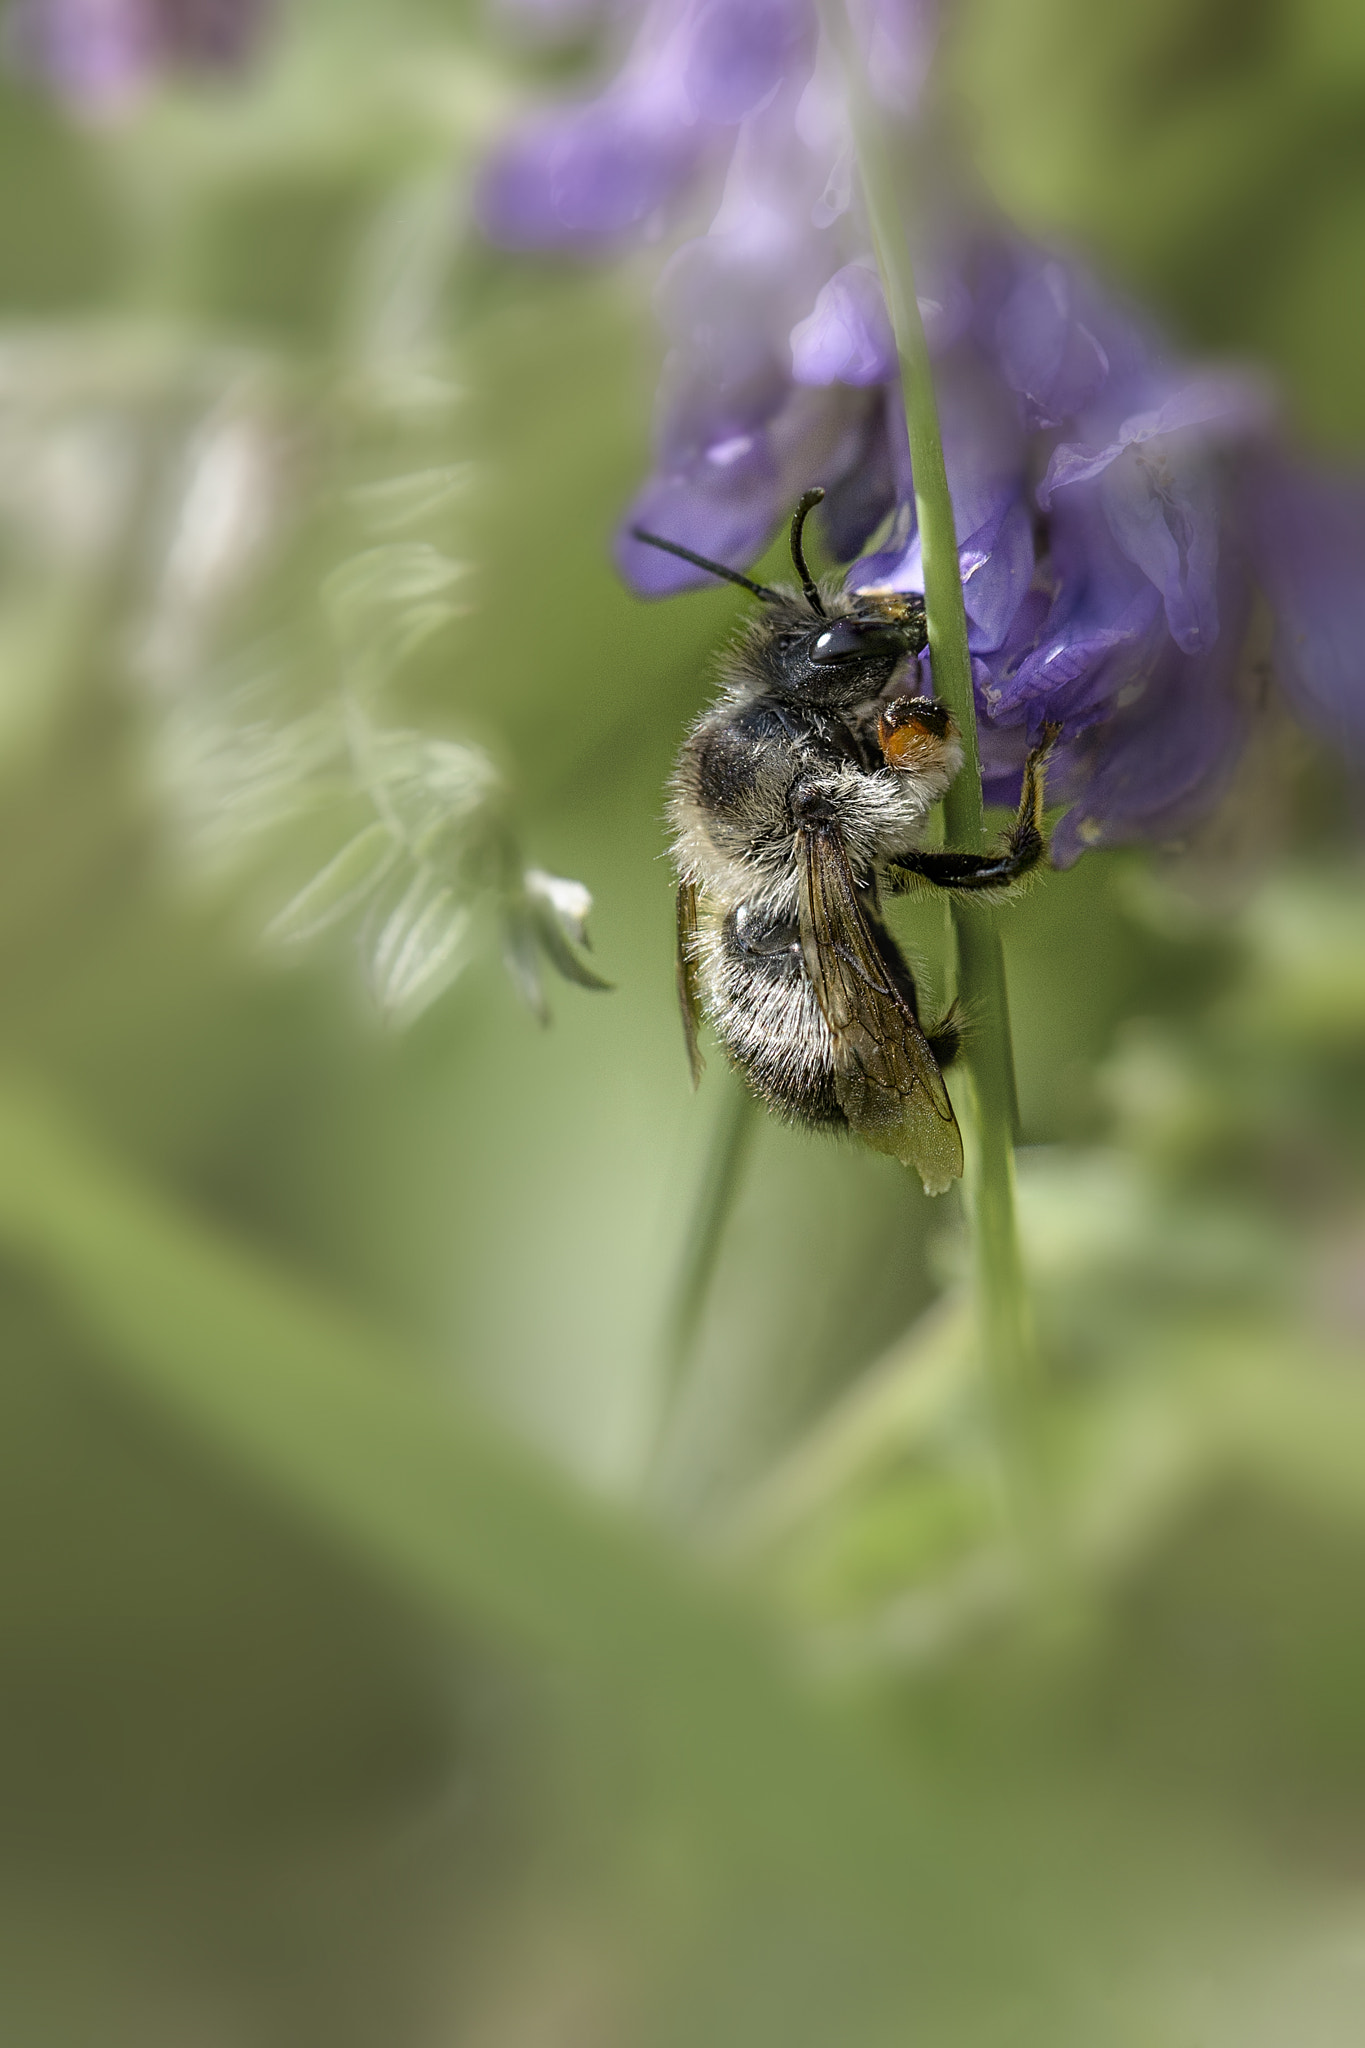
(798, 798)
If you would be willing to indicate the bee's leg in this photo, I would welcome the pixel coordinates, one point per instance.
(1024, 844)
(945, 1037)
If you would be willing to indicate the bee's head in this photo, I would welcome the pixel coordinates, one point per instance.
(842, 657)
(807, 652)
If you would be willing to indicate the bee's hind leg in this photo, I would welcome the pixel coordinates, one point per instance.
(1024, 847)
(945, 1037)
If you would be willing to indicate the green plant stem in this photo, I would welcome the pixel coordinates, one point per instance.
(1005, 1322)
(730, 1138)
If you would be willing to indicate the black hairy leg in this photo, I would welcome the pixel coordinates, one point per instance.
(1024, 844)
(945, 1037)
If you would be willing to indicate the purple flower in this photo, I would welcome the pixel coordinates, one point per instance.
(1308, 532)
(1158, 493)
(897, 38)
(1109, 501)
(602, 170)
(103, 55)
(1089, 628)
(984, 453)
(587, 174)
(739, 53)
(1047, 353)
(759, 397)
(847, 339)
(1168, 754)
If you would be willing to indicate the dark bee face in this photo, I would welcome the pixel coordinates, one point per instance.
(836, 661)
(844, 641)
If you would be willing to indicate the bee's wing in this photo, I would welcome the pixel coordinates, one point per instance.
(886, 1078)
(689, 991)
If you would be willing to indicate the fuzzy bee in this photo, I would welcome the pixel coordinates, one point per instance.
(797, 798)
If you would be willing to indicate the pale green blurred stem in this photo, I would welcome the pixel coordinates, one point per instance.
(1003, 1307)
(728, 1145)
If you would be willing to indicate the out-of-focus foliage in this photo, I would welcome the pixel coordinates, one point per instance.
(378, 1664)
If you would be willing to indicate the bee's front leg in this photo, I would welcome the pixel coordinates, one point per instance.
(1024, 842)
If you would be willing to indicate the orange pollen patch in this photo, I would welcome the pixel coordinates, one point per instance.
(911, 745)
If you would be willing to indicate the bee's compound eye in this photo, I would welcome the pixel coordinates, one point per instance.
(839, 642)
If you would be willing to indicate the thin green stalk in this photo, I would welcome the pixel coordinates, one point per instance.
(730, 1138)
(1006, 1329)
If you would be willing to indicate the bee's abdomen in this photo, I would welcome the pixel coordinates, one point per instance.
(766, 1016)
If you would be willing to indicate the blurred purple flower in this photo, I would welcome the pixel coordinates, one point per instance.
(1159, 496)
(1308, 533)
(847, 338)
(1047, 354)
(1089, 628)
(779, 344)
(1108, 501)
(102, 55)
(597, 171)
(1168, 754)
(984, 452)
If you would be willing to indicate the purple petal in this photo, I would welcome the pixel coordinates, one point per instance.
(1002, 750)
(1046, 354)
(740, 51)
(1083, 637)
(847, 339)
(983, 443)
(1308, 528)
(720, 302)
(583, 174)
(945, 306)
(996, 565)
(724, 487)
(724, 505)
(997, 569)
(99, 54)
(1167, 758)
(1235, 402)
(1156, 776)
(1082, 670)
(1163, 512)
(858, 478)
(1159, 493)
(1226, 405)
(897, 38)
(984, 454)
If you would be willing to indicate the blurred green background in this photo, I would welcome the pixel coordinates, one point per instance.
(384, 1656)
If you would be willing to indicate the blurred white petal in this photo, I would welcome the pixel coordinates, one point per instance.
(569, 901)
(400, 501)
(420, 950)
(348, 879)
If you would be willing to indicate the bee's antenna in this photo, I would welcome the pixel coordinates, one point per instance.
(672, 547)
(810, 499)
